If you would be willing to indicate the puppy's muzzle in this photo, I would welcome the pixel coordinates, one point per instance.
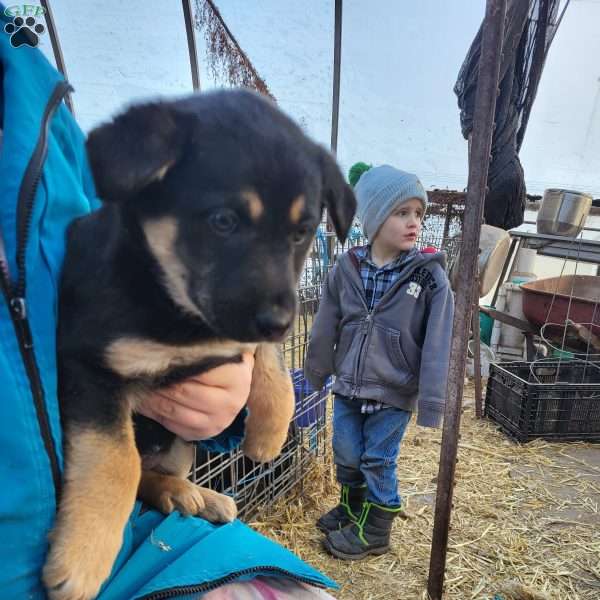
(274, 322)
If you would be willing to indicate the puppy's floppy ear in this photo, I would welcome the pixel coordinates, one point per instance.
(136, 148)
(338, 196)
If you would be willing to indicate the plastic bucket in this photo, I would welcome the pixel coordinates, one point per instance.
(486, 323)
(562, 354)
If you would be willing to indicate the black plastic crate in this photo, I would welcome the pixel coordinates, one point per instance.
(554, 400)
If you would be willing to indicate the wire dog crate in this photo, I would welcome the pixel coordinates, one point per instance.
(256, 486)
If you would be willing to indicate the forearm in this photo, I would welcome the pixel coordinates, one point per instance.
(435, 359)
(323, 337)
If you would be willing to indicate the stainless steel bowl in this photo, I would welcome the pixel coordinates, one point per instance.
(563, 212)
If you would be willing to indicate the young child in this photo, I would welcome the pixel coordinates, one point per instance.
(383, 329)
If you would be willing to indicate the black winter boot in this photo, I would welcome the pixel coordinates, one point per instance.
(347, 511)
(370, 534)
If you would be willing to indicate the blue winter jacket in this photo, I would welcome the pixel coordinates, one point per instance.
(45, 182)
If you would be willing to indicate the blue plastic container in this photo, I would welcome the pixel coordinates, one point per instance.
(310, 402)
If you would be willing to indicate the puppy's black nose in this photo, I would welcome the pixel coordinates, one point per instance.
(274, 322)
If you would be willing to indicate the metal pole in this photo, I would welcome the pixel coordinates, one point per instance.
(514, 243)
(483, 122)
(191, 41)
(335, 107)
(56, 49)
(337, 59)
(477, 350)
(447, 222)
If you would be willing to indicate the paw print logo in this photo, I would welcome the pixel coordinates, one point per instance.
(24, 32)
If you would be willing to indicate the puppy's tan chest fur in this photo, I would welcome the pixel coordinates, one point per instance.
(134, 357)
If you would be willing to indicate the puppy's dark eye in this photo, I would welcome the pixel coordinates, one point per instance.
(301, 234)
(224, 221)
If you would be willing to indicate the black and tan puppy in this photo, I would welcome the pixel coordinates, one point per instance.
(210, 206)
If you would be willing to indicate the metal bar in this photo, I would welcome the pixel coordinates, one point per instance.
(477, 350)
(483, 122)
(596, 229)
(56, 49)
(530, 347)
(559, 21)
(191, 41)
(337, 60)
(514, 243)
(497, 315)
(447, 221)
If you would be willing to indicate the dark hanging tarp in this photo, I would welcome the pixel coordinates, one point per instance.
(528, 31)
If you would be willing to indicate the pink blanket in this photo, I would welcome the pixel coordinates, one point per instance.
(265, 588)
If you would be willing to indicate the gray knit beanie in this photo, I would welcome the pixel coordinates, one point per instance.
(380, 190)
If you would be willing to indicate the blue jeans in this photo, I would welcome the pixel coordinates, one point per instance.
(366, 446)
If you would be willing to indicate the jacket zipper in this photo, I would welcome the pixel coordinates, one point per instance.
(356, 388)
(211, 585)
(370, 312)
(15, 295)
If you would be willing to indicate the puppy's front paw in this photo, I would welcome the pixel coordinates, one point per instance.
(181, 495)
(263, 447)
(218, 508)
(77, 571)
(169, 493)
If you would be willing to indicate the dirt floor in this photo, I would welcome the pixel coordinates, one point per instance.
(526, 523)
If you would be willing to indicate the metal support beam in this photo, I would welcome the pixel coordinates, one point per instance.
(191, 42)
(337, 60)
(512, 253)
(479, 156)
(477, 350)
(56, 49)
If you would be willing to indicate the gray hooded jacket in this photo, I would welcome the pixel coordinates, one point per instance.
(398, 353)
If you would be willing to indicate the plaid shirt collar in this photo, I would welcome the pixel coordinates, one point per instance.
(378, 280)
(364, 255)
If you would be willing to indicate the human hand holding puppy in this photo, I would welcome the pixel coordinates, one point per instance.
(204, 406)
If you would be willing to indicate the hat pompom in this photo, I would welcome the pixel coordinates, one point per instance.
(356, 170)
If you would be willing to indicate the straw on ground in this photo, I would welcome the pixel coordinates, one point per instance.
(525, 526)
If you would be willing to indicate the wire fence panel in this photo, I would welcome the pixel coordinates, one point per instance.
(256, 486)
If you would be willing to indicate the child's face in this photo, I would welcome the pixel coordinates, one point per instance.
(402, 228)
